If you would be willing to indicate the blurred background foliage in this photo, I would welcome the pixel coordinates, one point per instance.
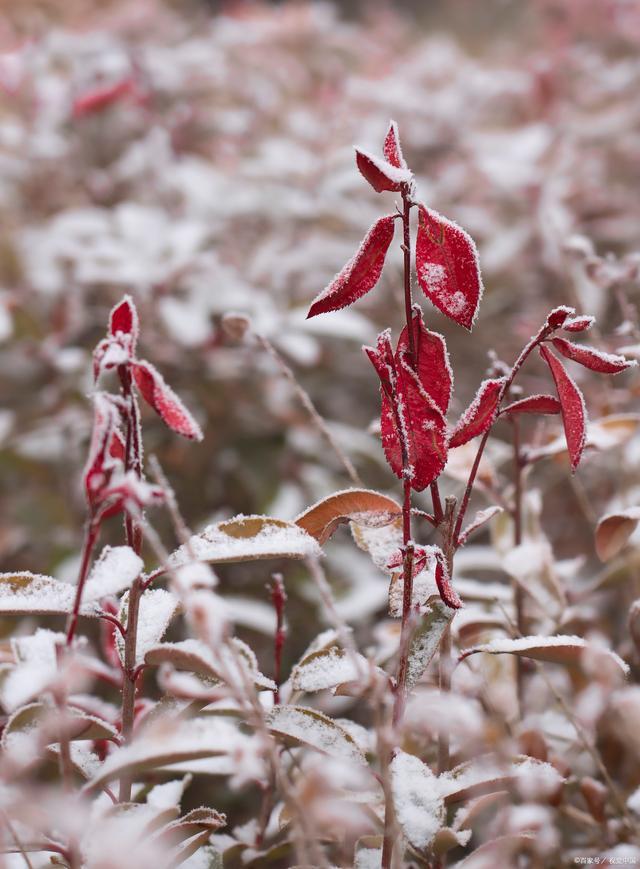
(217, 175)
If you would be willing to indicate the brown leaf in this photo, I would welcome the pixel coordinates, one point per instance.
(614, 530)
(362, 506)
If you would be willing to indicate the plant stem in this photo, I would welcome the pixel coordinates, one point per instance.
(133, 461)
(311, 409)
(90, 539)
(537, 339)
(279, 599)
(445, 664)
(517, 540)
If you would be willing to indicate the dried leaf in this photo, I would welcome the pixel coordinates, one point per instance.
(362, 506)
(247, 538)
(555, 650)
(425, 639)
(480, 414)
(613, 531)
(361, 273)
(299, 725)
(447, 267)
(574, 412)
(490, 774)
(481, 518)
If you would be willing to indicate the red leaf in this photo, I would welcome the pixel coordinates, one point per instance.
(124, 318)
(99, 466)
(432, 360)
(392, 150)
(412, 422)
(164, 401)
(383, 361)
(361, 273)
(447, 592)
(574, 413)
(559, 316)
(381, 174)
(100, 98)
(480, 414)
(535, 404)
(447, 267)
(578, 324)
(596, 360)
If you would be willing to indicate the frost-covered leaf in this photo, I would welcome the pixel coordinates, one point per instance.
(124, 319)
(415, 425)
(392, 150)
(480, 414)
(113, 572)
(361, 273)
(247, 538)
(592, 358)
(547, 404)
(362, 506)
(574, 412)
(380, 543)
(447, 267)
(417, 801)
(328, 668)
(79, 724)
(425, 640)
(431, 361)
(157, 608)
(170, 741)
(489, 774)
(578, 324)
(614, 530)
(27, 593)
(556, 650)
(501, 851)
(479, 520)
(381, 174)
(300, 725)
(196, 657)
(159, 395)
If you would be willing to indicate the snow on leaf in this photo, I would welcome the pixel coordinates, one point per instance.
(417, 802)
(360, 274)
(362, 506)
(159, 395)
(447, 267)
(578, 324)
(113, 572)
(592, 358)
(413, 425)
(559, 316)
(559, 649)
(327, 668)
(392, 149)
(480, 414)
(425, 640)
(170, 742)
(299, 725)
(574, 412)
(534, 404)
(246, 538)
(79, 724)
(35, 669)
(157, 608)
(432, 363)
(31, 593)
(124, 319)
(481, 518)
(379, 542)
(381, 174)
(613, 531)
(488, 774)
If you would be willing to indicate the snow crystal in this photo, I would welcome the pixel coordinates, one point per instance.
(416, 798)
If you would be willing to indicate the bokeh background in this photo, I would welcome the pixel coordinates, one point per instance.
(198, 155)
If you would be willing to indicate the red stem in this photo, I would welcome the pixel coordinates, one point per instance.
(90, 539)
(279, 599)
